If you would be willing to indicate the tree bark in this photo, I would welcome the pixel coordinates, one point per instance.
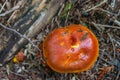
(42, 20)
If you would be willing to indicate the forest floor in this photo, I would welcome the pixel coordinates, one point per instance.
(100, 16)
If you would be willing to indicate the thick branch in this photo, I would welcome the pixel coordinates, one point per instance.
(41, 22)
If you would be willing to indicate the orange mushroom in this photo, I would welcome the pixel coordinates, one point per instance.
(71, 49)
(20, 57)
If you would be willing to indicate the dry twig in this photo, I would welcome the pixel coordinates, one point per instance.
(9, 11)
(106, 11)
(20, 75)
(112, 44)
(118, 75)
(13, 9)
(3, 6)
(104, 1)
(117, 22)
(104, 70)
(105, 26)
(116, 42)
(22, 36)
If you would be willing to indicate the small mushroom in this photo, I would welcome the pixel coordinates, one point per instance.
(71, 49)
(20, 57)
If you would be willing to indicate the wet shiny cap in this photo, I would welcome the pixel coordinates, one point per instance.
(72, 49)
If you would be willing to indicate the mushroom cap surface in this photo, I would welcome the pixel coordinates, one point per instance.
(71, 49)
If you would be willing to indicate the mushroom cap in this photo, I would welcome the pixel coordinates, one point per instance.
(71, 49)
(20, 57)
